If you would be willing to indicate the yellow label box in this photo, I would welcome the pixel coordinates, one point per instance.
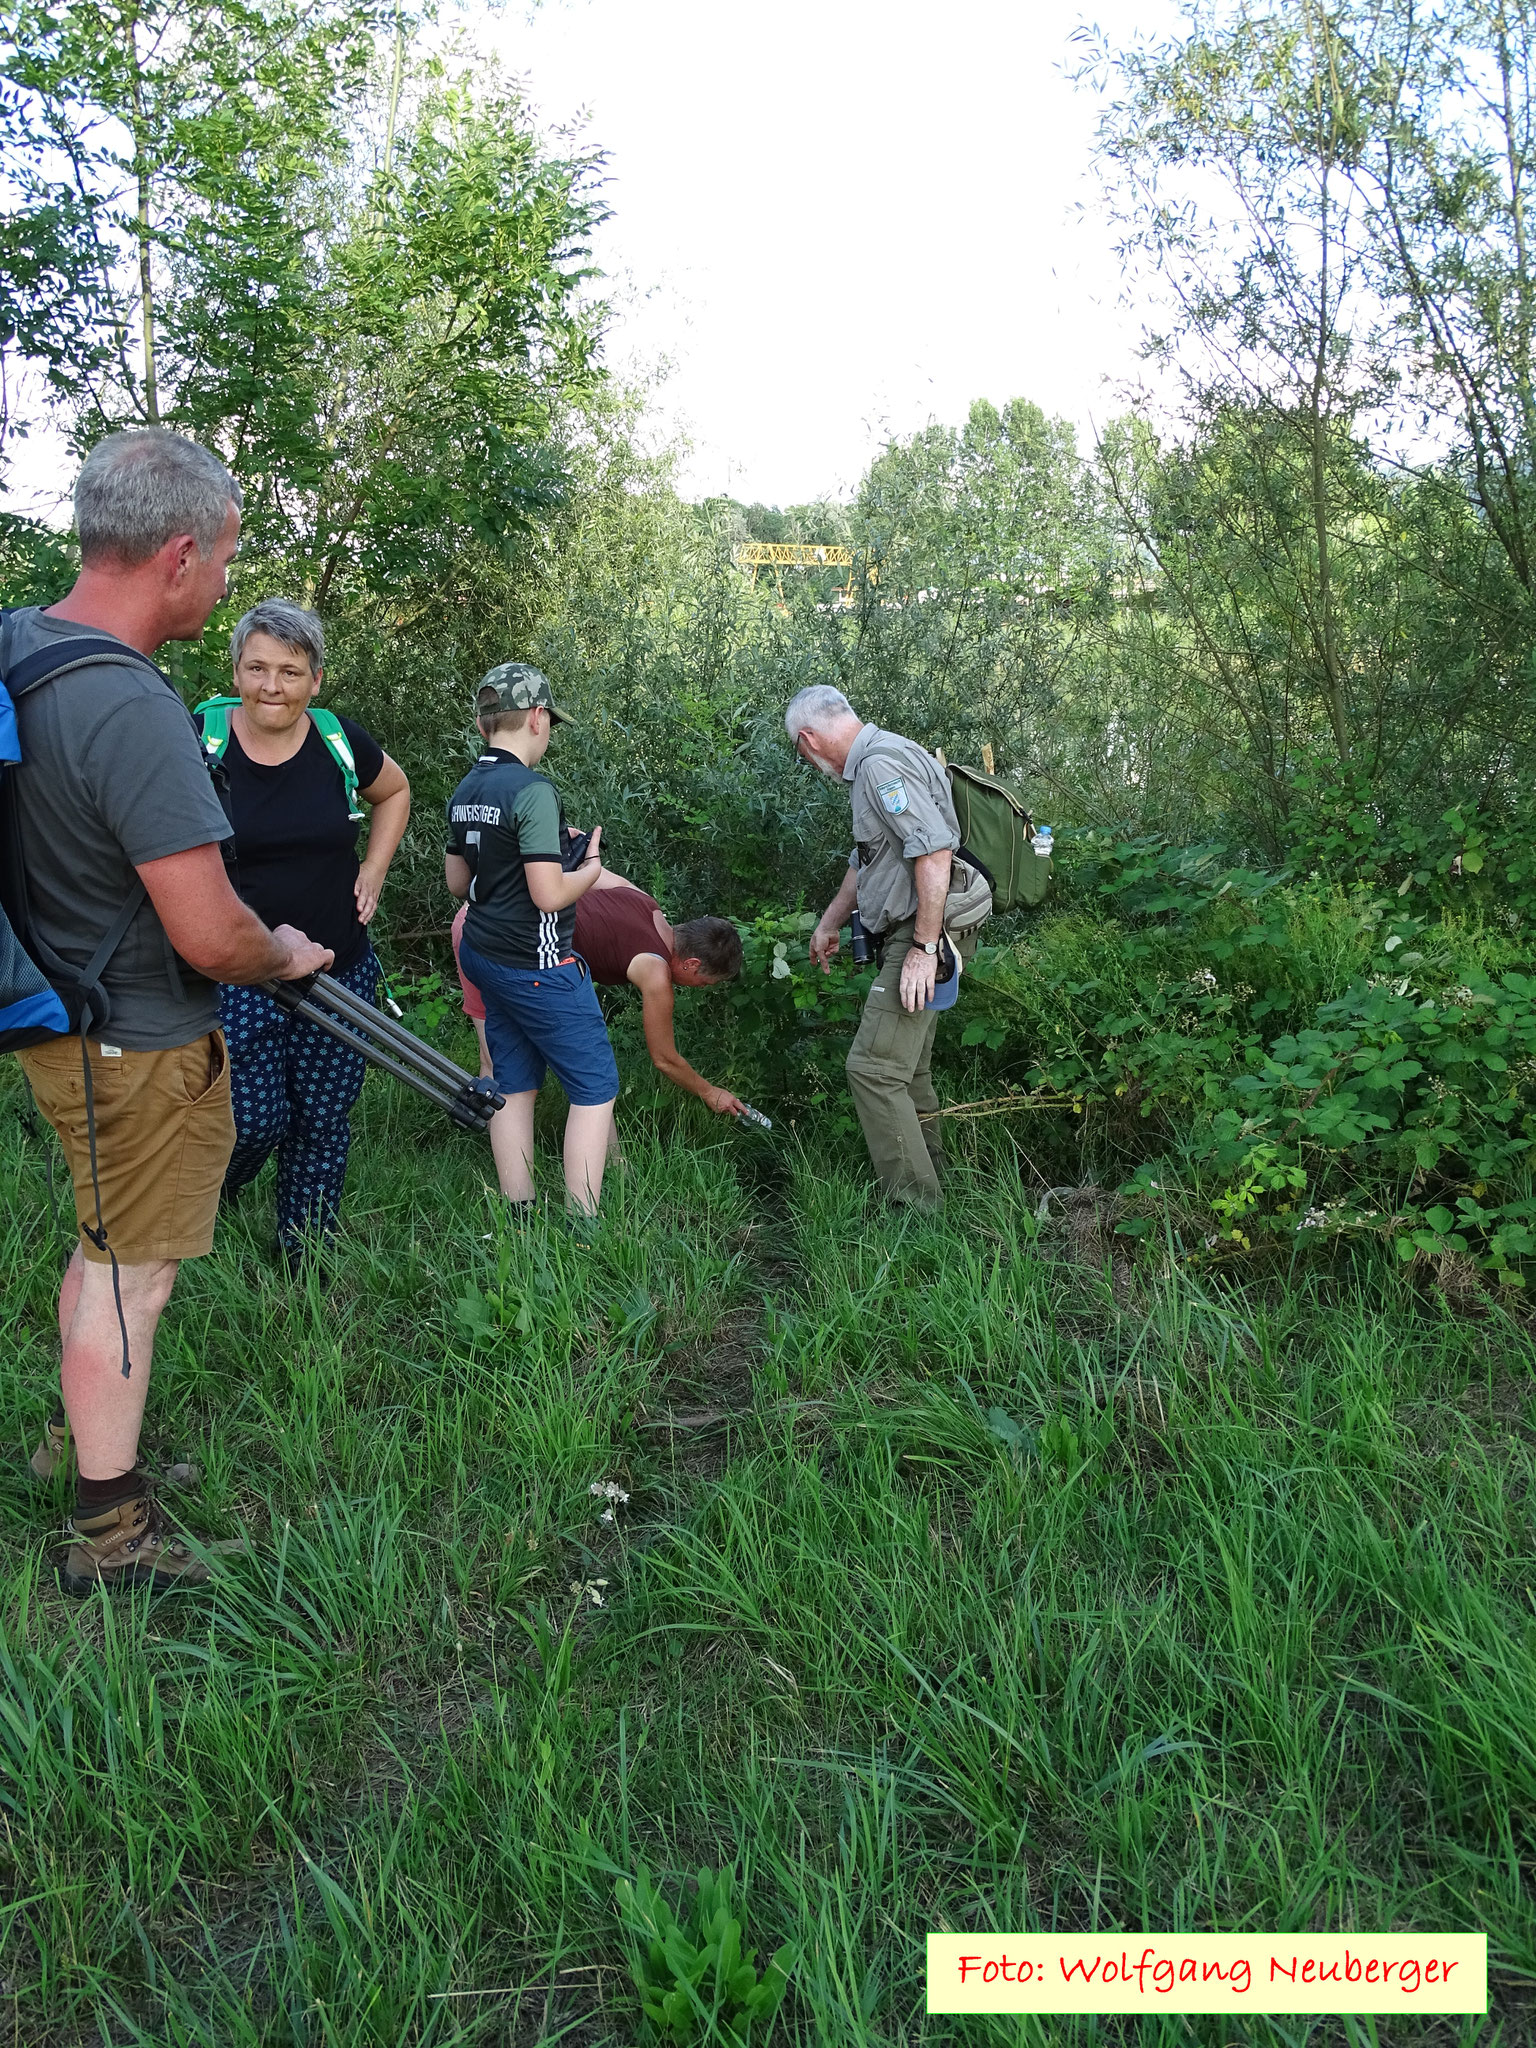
(1147, 1973)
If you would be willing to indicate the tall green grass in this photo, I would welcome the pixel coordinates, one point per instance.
(954, 1588)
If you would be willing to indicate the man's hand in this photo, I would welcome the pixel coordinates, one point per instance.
(722, 1102)
(825, 941)
(366, 890)
(304, 956)
(593, 856)
(919, 977)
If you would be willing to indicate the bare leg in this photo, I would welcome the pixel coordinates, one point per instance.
(69, 1292)
(487, 1071)
(587, 1132)
(512, 1146)
(105, 1410)
(616, 1157)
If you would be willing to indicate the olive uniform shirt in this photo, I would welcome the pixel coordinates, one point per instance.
(902, 809)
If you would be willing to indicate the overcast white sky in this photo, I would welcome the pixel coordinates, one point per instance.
(842, 222)
(832, 225)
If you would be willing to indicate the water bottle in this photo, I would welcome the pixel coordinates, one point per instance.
(860, 942)
(750, 1116)
(1043, 842)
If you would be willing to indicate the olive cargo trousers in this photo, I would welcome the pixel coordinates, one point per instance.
(889, 1066)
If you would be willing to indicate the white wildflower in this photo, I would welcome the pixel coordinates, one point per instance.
(1314, 1219)
(607, 1489)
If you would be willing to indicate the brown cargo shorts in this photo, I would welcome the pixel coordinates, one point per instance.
(164, 1133)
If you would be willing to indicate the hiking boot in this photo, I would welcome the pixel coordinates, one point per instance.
(129, 1544)
(54, 1448)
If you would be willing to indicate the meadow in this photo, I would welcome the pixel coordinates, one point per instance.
(1161, 1556)
(966, 1576)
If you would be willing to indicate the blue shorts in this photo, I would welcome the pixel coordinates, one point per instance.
(538, 1016)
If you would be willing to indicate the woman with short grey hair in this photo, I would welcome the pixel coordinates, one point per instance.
(295, 780)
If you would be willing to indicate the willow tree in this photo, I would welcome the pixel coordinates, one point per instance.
(144, 143)
(1230, 153)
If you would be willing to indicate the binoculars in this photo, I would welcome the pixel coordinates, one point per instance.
(469, 1099)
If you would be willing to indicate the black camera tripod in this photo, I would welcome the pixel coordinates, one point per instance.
(470, 1100)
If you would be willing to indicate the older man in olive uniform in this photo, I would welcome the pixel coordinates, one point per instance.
(903, 879)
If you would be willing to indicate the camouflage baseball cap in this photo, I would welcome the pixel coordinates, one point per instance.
(515, 686)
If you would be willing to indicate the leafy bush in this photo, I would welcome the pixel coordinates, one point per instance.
(1292, 1057)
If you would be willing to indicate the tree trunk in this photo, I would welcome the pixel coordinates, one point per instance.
(142, 176)
(1515, 158)
(1332, 671)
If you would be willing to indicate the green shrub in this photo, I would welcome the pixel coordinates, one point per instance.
(1295, 1059)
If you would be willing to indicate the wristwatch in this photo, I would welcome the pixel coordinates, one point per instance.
(928, 946)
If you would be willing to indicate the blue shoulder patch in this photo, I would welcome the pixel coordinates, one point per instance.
(893, 795)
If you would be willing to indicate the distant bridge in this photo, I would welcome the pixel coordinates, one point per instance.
(779, 555)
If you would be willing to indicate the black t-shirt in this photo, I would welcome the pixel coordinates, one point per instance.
(294, 843)
(502, 815)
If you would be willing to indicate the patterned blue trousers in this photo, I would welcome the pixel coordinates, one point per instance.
(294, 1089)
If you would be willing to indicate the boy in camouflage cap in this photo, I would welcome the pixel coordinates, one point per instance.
(510, 852)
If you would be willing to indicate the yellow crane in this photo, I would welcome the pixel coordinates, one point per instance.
(779, 555)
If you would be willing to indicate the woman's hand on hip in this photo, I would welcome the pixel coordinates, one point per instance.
(366, 889)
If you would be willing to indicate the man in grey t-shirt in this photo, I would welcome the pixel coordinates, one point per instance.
(114, 777)
(112, 791)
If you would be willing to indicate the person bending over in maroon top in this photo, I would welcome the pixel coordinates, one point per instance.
(623, 936)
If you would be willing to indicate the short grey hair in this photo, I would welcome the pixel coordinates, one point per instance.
(139, 489)
(816, 706)
(290, 623)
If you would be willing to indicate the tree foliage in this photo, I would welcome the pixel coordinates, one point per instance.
(208, 232)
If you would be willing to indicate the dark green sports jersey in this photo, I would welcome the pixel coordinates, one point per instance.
(502, 815)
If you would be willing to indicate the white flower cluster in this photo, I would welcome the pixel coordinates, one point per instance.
(606, 1489)
(1205, 979)
(1313, 1220)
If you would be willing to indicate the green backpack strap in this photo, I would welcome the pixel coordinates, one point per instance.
(214, 712)
(328, 725)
